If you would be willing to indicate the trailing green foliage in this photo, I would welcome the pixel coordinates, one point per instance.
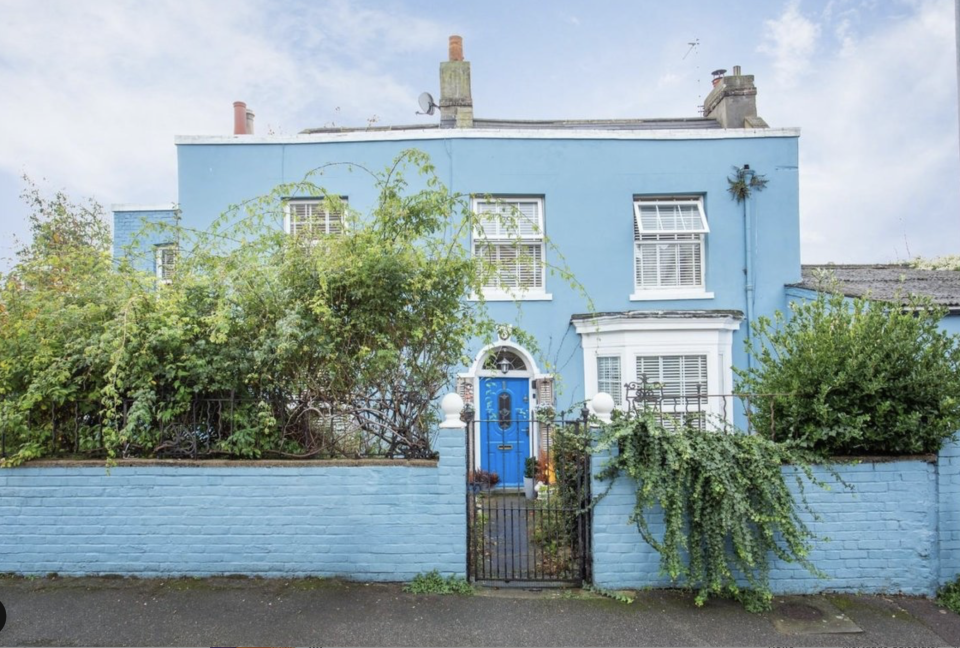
(433, 583)
(857, 376)
(610, 594)
(949, 596)
(326, 344)
(724, 501)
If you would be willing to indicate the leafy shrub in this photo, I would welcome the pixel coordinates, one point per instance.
(530, 468)
(433, 583)
(302, 333)
(862, 377)
(725, 503)
(949, 596)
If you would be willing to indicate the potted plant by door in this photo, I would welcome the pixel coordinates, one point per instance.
(530, 477)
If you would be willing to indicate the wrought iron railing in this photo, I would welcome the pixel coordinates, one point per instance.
(699, 409)
(221, 427)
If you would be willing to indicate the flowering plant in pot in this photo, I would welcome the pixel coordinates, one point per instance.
(530, 477)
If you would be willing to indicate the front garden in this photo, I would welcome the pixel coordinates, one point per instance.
(257, 344)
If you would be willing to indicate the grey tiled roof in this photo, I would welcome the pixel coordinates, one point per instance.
(691, 123)
(884, 282)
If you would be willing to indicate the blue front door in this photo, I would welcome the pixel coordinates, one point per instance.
(505, 427)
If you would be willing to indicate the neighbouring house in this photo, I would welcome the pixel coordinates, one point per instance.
(640, 209)
(885, 282)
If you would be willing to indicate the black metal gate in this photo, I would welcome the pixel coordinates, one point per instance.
(517, 536)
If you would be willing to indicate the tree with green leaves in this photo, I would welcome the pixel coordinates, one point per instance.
(332, 343)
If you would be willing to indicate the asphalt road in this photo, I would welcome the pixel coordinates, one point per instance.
(254, 612)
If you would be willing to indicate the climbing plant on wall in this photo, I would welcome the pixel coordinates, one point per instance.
(725, 505)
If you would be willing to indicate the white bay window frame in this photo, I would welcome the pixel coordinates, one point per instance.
(669, 249)
(628, 338)
(513, 239)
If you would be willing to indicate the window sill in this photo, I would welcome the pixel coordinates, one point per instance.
(656, 295)
(498, 296)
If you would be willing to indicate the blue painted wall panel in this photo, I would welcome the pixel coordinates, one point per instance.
(588, 188)
(948, 476)
(898, 530)
(367, 522)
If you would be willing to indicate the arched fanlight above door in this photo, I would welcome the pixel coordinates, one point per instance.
(504, 360)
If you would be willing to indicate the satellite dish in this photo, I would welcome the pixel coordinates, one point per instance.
(426, 104)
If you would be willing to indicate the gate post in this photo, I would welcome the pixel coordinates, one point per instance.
(602, 406)
(451, 443)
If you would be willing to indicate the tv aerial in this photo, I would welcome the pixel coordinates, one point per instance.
(427, 104)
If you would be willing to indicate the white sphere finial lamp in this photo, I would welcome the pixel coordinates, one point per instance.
(602, 405)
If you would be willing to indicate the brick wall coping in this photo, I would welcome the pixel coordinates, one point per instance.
(230, 463)
(864, 459)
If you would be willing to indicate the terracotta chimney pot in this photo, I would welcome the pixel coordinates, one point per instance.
(239, 118)
(456, 48)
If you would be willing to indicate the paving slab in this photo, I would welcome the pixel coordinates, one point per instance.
(237, 612)
(803, 615)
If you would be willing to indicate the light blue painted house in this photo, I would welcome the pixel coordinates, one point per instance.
(640, 209)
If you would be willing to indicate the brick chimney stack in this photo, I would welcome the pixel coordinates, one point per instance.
(733, 102)
(456, 102)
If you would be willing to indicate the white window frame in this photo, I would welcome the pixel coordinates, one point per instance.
(629, 337)
(512, 238)
(698, 236)
(314, 202)
(617, 391)
(165, 271)
(686, 402)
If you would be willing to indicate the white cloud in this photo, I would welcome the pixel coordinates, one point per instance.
(791, 41)
(97, 91)
(879, 150)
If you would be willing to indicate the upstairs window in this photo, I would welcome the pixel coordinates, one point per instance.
(313, 218)
(166, 261)
(509, 235)
(668, 250)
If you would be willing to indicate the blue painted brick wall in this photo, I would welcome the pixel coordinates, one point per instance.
(891, 533)
(948, 475)
(368, 522)
(130, 239)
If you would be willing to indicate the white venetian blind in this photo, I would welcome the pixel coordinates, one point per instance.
(668, 239)
(679, 375)
(608, 377)
(313, 218)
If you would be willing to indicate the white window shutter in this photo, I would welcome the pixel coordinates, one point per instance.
(545, 395)
(465, 390)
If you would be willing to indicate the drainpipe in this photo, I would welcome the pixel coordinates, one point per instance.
(748, 261)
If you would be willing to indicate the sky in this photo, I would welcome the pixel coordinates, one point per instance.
(93, 93)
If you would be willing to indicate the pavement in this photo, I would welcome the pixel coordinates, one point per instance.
(277, 612)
